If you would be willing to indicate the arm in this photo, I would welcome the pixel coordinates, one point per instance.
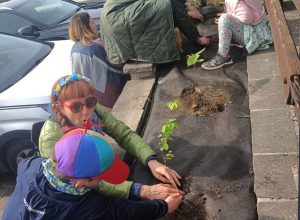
(147, 209)
(119, 190)
(50, 133)
(81, 63)
(126, 138)
(135, 145)
(113, 208)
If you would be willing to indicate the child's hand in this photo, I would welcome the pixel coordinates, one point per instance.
(173, 202)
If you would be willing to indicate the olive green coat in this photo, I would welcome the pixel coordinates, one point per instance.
(138, 29)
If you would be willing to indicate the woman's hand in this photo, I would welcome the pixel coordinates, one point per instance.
(164, 173)
(158, 191)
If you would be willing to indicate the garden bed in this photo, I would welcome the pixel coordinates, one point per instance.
(212, 147)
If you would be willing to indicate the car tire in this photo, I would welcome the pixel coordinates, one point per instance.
(17, 150)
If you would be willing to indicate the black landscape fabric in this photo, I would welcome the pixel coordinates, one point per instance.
(212, 150)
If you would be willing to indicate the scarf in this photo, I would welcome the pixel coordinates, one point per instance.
(58, 184)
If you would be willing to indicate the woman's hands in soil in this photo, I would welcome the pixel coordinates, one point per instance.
(158, 191)
(173, 202)
(164, 173)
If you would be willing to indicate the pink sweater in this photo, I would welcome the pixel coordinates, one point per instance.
(247, 11)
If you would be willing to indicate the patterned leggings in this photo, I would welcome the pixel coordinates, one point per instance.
(229, 28)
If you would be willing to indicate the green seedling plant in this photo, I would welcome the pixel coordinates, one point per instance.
(167, 131)
(174, 105)
(194, 58)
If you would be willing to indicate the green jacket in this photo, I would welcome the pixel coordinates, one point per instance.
(138, 29)
(126, 138)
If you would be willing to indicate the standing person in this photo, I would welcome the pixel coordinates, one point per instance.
(144, 30)
(61, 187)
(73, 104)
(245, 22)
(89, 58)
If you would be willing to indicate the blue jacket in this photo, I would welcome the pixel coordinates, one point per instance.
(90, 61)
(35, 198)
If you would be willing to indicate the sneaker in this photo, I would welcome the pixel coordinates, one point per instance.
(217, 62)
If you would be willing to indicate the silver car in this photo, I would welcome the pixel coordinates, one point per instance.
(44, 20)
(28, 69)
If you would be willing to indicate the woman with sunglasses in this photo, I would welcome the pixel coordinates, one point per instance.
(88, 58)
(73, 104)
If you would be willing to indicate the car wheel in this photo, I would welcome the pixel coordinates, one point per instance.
(17, 151)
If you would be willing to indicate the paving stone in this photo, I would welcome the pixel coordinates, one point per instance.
(266, 94)
(130, 118)
(138, 67)
(268, 65)
(134, 95)
(286, 210)
(273, 176)
(140, 70)
(273, 131)
(142, 75)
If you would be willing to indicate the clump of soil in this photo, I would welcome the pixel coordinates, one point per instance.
(186, 184)
(206, 102)
(194, 210)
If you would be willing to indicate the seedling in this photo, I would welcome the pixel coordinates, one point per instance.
(167, 131)
(174, 105)
(194, 58)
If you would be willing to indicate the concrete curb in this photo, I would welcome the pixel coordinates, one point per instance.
(274, 140)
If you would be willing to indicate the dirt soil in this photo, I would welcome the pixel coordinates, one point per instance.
(206, 102)
(194, 210)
